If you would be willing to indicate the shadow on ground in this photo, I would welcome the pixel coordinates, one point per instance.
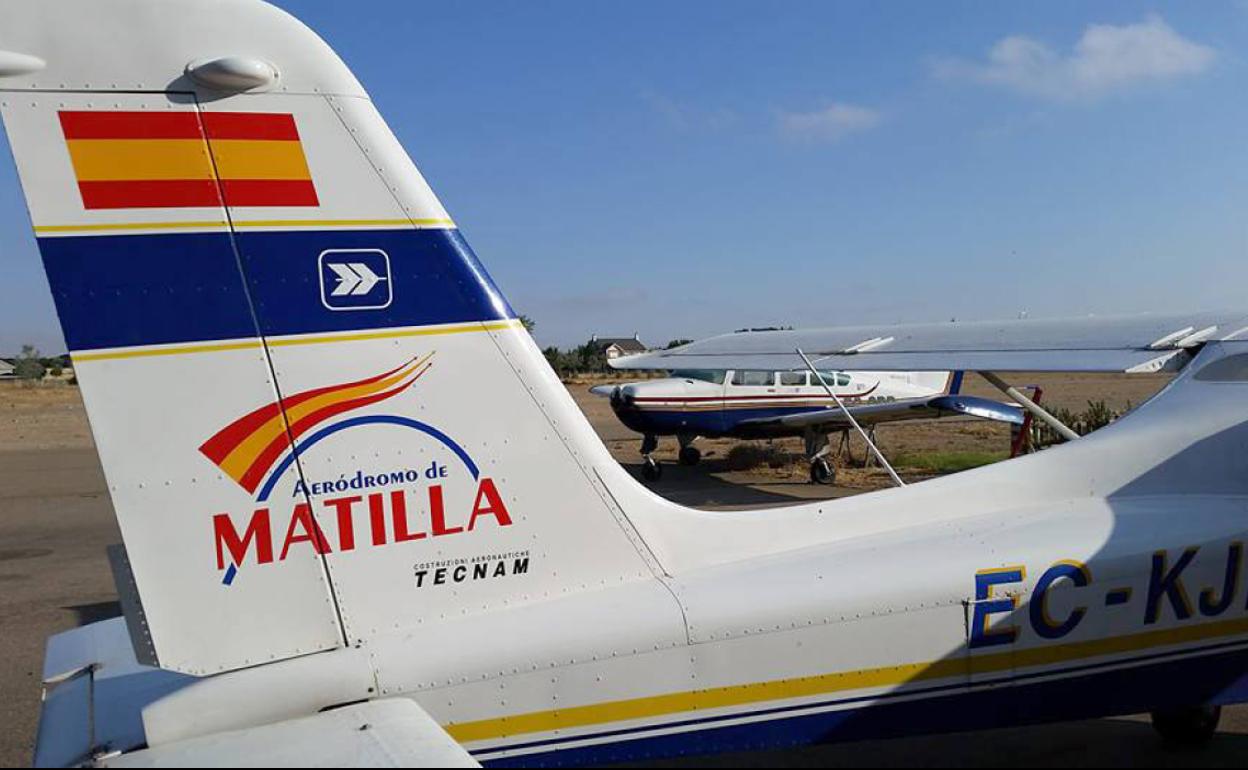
(710, 484)
(86, 614)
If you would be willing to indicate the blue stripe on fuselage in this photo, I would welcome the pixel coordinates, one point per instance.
(1097, 690)
(129, 290)
(707, 422)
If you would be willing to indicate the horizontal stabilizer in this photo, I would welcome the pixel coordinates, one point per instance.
(1138, 343)
(387, 733)
(93, 687)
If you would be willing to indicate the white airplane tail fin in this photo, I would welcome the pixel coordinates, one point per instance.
(318, 416)
(939, 382)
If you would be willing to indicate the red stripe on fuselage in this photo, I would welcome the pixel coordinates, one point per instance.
(760, 397)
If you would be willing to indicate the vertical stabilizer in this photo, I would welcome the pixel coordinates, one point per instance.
(318, 416)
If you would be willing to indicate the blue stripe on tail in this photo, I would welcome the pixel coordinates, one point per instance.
(130, 290)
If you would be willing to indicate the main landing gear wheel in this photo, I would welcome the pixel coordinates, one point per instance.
(821, 472)
(1187, 727)
(690, 455)
(651, 470)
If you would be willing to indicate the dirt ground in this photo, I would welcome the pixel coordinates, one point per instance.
(36, 417)
(56, 519)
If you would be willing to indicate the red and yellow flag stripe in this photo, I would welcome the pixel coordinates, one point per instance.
(248, 448)
(187, 159)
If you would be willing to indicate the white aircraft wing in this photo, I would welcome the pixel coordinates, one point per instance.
(925, 408)
(384, 733)
(1139, 343)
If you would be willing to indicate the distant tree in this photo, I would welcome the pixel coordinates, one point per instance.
(677, 343)
(28, 366)
(554, 357)
(590, 357)
(528, 323)
(565, 362)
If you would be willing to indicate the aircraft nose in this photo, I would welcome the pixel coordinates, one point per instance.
(624, 396)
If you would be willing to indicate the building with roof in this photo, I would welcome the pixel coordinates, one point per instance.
(614, 347)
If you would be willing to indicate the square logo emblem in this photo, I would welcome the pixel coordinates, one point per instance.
(355, 279)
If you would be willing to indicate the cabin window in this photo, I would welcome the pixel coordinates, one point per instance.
(1230, 369)
(840, 379)
(704, 375)
(793, 378)
(753, 378)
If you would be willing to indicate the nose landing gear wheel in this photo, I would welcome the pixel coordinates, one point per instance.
(690, 455)
(1187, 727)
(821, 472)
(651, 470)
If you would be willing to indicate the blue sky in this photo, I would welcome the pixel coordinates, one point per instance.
(684, 169)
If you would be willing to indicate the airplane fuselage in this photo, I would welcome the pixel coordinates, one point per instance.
(982, 599)
(1092, 627)
(989, 598)
(723, 403)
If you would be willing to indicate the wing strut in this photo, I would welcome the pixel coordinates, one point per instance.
(850, 416)
(1040, 412)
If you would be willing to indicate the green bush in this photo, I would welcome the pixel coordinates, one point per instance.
(1096, 416)
(28, 366)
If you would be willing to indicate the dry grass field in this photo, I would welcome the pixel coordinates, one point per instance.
(42, 417)
(51, 416)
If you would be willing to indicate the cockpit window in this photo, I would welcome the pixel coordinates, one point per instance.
(753, 378)
(704, 375)
(793, 378)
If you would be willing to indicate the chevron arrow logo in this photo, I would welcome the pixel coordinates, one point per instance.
(355, 279)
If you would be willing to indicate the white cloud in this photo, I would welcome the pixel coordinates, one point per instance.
(686, 117)
(830, 124)
(1106, 58)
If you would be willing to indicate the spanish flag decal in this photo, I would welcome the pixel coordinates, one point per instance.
(248, 448)
(133, 160)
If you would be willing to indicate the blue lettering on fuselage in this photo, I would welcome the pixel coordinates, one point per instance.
(1065, 595)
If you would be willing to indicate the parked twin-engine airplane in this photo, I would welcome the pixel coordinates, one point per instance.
(749, 404)
(343, 548)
